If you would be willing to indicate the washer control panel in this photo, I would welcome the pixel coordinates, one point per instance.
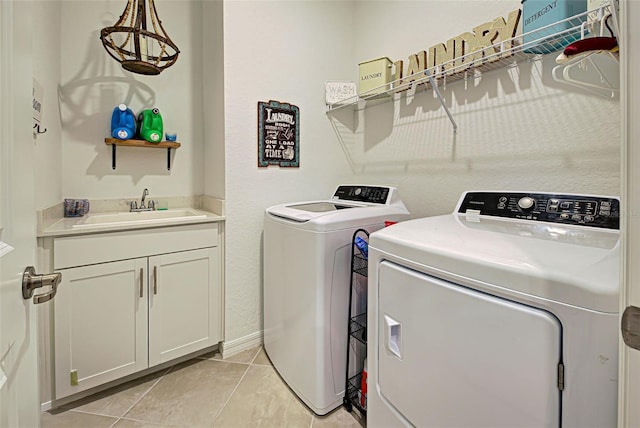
(584, 210)
(367, 194)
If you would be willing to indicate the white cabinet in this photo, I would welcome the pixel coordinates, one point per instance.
(115, 314)
(100, 324)
(182, 304)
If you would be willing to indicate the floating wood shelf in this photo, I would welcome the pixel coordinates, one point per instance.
(113, 142)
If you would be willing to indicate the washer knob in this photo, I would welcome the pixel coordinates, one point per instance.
(526, 203)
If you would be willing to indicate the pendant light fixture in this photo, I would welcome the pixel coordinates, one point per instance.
(140, 49)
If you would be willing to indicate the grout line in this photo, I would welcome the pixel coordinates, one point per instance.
(117, 418)
(223, 361)
(256, 356)
(146, 392)
(141, 420)
(231, 395)
(91, 413)
(251, 362)
(169, 370)
(77, 410)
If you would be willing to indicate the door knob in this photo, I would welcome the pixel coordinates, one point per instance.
(630, 327)
(31, 280)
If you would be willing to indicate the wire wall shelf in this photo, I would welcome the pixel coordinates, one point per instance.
(528, 46)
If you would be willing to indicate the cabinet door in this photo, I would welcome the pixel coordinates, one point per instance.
(100, 324)
(184, 303)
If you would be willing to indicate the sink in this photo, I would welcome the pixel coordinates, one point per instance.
(141, 217)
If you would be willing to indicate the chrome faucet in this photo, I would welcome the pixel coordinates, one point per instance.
(145, 193)
(133, 205)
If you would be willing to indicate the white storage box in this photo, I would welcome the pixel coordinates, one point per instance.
(375, 76)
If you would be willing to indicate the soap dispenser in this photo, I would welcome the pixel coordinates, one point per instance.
(150, 125)
(123, 123)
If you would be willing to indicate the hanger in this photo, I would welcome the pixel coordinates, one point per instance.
(581, 51)
(606, 89)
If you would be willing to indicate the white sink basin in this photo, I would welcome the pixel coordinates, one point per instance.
(142, 217)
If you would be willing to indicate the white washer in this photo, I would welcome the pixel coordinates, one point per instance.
(306, 286)
(502, 314)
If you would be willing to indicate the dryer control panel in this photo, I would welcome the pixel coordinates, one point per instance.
(366, 194)
(582, 210)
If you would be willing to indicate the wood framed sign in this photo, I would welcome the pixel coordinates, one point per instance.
(278, 134)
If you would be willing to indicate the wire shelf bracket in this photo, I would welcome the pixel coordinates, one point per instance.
(530, 46)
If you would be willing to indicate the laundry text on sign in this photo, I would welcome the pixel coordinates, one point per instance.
(488, 42)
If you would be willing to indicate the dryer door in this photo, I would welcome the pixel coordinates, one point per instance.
(450, 356)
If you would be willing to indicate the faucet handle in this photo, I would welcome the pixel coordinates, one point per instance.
(133, 205)
(152, 204)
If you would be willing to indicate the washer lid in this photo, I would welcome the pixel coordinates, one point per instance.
(374, 204)
(320, 207)
(305, 211)
(334, 218)
(563, 263)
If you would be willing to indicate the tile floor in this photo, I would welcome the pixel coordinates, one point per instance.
(242, 391)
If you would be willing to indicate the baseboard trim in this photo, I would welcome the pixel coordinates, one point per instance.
(233, 347)
(44, 407)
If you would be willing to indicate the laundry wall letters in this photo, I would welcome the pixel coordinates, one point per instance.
(488, 42)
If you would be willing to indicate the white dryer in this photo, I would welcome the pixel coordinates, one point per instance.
(502, 314)
(306, 286)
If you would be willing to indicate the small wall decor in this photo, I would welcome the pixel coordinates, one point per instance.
(472, 49)
(38, 99)
(278, 134)
(336, 92)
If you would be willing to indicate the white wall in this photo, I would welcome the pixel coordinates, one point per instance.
(283, 51)
(213, 98)
(518, 129)
(46, 70)
(92, 84)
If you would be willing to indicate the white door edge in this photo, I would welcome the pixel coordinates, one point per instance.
(629, 359)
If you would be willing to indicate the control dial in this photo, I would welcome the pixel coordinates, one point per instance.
(526, 203)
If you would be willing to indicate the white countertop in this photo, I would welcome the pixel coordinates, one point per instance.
(65, 225)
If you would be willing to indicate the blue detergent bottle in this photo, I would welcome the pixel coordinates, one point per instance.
(151, 125)
(123, 123)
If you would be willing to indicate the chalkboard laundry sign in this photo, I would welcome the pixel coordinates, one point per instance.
(278, 134)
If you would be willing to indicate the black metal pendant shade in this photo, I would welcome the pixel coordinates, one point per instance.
(139, 49)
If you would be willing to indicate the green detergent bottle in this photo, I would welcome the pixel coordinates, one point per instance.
(150, 122)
